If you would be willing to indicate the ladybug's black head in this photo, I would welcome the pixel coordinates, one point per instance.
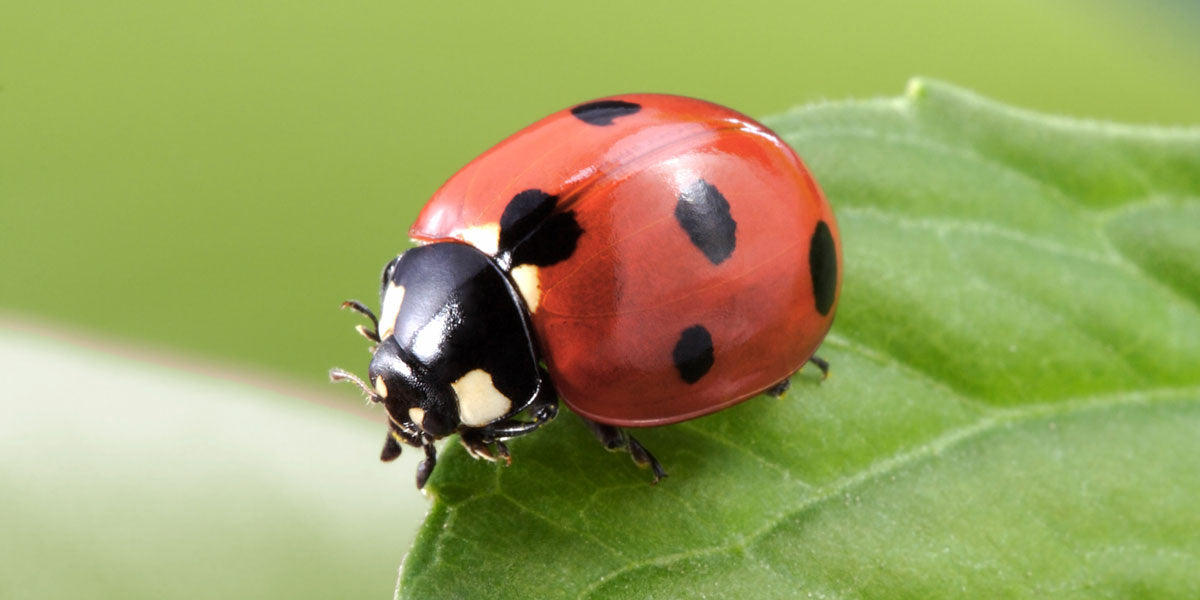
(411, 396)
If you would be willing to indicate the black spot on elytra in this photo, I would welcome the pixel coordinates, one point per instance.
(704, 214)
(602, 112)
(822, 263)
(533, 233)
(523, 214)
(693, 354)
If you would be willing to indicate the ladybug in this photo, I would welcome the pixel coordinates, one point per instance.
(647, 258)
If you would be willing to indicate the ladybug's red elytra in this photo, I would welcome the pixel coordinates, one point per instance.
(646, 258)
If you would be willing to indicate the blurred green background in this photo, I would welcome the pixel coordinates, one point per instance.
(209, 180)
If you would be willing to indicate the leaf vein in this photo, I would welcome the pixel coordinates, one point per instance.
(930, 449)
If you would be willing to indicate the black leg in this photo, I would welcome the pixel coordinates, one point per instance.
(822, 364)
(616, 439)
(511, 428)
(479, 445)
(360, 308)
(780, 388)
(425, 469)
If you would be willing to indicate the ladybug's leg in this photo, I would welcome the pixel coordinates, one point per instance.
(616, 439)
(778, 389)
(360, 308)
(511, 428)
(479, 445)
(822, 364)
(407, 433)
(425, 469)
(478, 442)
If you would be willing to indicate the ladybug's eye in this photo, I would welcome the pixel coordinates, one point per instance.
(387, 274)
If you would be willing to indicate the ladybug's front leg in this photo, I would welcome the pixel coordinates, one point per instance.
(511, 428)
(425, 469)
(479, 445)
(406, 432)
(616, 439)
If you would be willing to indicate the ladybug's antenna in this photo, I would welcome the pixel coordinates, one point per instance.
(336, 375)
(359, 307)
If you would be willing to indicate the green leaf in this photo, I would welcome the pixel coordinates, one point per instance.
(122, 478)
(1014, 408)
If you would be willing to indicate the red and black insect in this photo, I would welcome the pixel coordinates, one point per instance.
(648, 259)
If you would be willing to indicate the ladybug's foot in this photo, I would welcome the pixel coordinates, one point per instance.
(822, 364)
(480, 447)
(502, 453)
(476, 447)
(616, 439)
(643, 458)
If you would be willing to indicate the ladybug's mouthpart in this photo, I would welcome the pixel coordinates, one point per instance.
(359, 307)
(402, 430)
(337, 375)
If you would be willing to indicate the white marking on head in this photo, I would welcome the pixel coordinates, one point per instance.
(483, 237)
(479, 402)
(417, 415)
(392, 298)
(528, 284)
(380, 386)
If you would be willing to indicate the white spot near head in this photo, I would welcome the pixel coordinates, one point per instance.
(380, 386)
(479, 402)
(526, 277)
(392, 298)
(484, 237)
(417, 415)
